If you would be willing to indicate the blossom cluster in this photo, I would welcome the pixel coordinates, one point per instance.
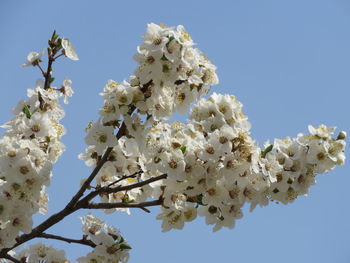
(110, 247)
(28, 148)
(170, 76)
(209, 166)
(42, 253)
(213, 166)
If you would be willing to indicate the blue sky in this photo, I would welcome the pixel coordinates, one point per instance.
(287, 61)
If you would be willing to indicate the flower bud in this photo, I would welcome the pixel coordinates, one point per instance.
(341, 135)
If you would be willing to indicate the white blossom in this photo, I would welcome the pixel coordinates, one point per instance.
(68, 48)
(33, 58)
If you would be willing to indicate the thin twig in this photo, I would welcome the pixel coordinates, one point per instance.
(122, 205)
(42, 71)
(108, 190)
(48, 72)
(125, 177)
(7, 256)
(58, 56)
(69, 240)
(98, 167)
(136, 185)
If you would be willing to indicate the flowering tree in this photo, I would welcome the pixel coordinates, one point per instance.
(209, 166)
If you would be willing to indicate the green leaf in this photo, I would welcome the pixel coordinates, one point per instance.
(54, 36)
(267, 150)
(26, 111)
(183, 148)
(124, 246)
(51, 79)
(171, 39)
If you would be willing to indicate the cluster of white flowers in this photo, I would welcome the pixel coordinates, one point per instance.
(302, 158)
(28, 148)
(213, 165)
(170, 76)
(111, 247)
(38, 253)
(210, 166)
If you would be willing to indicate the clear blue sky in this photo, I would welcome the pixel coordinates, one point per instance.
(287, 61)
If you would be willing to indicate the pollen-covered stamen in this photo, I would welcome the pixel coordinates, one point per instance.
(212, 209)
(210, 150)
(35, 128)
(157, 41)
(102, 138)
(211, 192)
(223, 140)
(181, 98)
(173, 164)
(321, 156)
(23, 169)
(11, 153)
(150, 60)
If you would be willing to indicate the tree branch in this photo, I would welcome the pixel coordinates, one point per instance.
(122, 205)
(69, 240)
(109, 190)
(72, 206)
(132, 186)
(47, 74)
(104, 159)
(7, 256)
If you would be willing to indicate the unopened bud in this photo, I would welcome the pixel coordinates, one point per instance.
(341, 135)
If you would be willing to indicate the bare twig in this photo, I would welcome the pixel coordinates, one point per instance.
(98, 167)
(7, 256)
(69, 240)
(47, 74)
(125, 177)
(58, 56)
(122, 205)
(42, 71)
(109, 190)
(132, 186)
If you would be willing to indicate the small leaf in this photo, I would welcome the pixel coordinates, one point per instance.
(267, 150)
(54, 36)
(26, 111)
(124, 246)
(51, 79)
(171, 39)
(183, 148)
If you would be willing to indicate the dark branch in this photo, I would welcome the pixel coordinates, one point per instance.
(136, 185)
(11, 258)
(108, 190)
(125, 177)
(48, 72)
(122, 205)
(69, 240)
(73, 205)
(88, 181)
(98, 167)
